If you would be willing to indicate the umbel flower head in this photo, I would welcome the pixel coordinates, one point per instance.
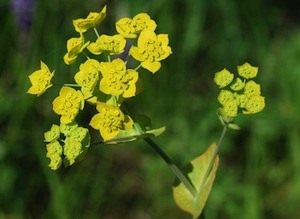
(110, 121)
(68, 104)
(68, 149)
(40, 80)
(151, 49)
(130, 28)
(239, 95)
(105, 82)
(92, 20)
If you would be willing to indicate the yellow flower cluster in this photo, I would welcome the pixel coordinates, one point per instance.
(239, 93)
(104, 80)
(69, 148)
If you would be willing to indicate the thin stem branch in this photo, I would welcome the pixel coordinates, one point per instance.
(172, 166)
(96, 32)
(138, 67)
(212, 161)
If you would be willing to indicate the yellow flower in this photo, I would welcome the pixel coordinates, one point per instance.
(40, 80)
(242, 99)
(117, 80)
(52, 134)
(223, 78)
(54, 152)
(74, 47)
(92, 20)
(247, 71)
(55, 161)
(112, 44)
(130, 28)
(88, 77)
(68, 104)
(78, 134)
(110, 120)
(224, 96)
(252, 88)
(54, 148)
(238, 85)
(72, 150)
(66, 129)
(255, 104)
(231, 108)
(151, 50)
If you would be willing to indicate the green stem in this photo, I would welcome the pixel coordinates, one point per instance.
(96, 32)
(172, 166)
(86, 55)
(138, 67)
(72, 85)
(212, 161)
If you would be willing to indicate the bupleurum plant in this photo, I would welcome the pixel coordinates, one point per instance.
(107, 79)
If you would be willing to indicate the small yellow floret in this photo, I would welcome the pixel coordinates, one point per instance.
(223, 78)
(55, 161)
(117, 80)
(52, 134)
(74, 47)
(78, 134)
(112, 44)
(110, 120)
(40, 80)
(130, 28)
(68, 104)
(247, 71)
(231, 108)
(92, 20)
(66, 129)
(72, 150)
(255, 104)
(224, 96)
(151, 49)
(54, 148)
(88, 77)
(252, 88)
(238, 85)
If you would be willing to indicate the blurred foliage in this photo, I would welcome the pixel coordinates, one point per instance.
(258, 176)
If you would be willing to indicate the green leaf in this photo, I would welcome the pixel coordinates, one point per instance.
(132, 135)
(201, 173)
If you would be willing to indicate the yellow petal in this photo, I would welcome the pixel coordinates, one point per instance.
(145, 36)
(134, 51)
(151, 66)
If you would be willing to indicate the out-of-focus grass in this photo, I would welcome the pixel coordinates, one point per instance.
(258, 175)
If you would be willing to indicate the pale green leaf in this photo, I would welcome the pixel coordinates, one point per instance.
(201, 175)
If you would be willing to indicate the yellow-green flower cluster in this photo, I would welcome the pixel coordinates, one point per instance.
(105, 79)
(239, 93)
(66, 143)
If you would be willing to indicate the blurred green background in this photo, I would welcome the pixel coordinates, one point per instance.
(259, 172)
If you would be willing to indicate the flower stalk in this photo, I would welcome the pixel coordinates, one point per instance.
(178, 173)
